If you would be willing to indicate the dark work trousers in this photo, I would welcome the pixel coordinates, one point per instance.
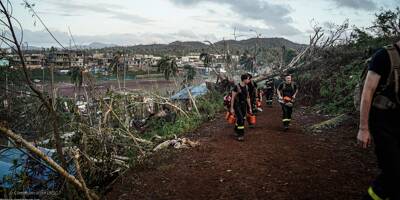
(287, 114)
(384, 128)
(268, 96)
(253, 101)
(240, 112)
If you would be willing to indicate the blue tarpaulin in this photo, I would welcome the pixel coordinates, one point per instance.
(198, 90)
(16, 161)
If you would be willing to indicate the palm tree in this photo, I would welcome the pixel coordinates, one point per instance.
(207, 59)
(115, 67)
(247, 62)
(189, 75)
(167, 66)
(76, 74)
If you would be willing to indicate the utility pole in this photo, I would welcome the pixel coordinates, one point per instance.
(7, 100)
(256, 47)
(125, 54)
(42, 67)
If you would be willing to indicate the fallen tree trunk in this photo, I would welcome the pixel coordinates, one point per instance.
(19, 140)
(78, 172)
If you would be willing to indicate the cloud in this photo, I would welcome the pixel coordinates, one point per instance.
(275, 16)
(367, 5)
(43, 39)
(114, 11)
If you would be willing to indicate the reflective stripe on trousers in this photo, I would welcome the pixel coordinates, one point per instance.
(373, 195)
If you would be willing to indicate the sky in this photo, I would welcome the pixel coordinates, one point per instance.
(133, 22)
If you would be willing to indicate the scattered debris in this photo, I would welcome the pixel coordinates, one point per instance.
(194, 92)
(179, 143)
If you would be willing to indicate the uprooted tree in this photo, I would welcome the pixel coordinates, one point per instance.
(322, 39)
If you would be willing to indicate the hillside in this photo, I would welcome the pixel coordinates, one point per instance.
(182, 48)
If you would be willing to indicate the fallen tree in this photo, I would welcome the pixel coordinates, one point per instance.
(322, 40)
(70, 178)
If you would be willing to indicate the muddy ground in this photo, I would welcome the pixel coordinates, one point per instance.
(269, 164)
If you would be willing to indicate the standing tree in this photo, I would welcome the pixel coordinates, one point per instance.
(207, 59)
(168, 67)
(247, 62)
(115, 66)
(76, 74)
(190, 74)
(387, 23)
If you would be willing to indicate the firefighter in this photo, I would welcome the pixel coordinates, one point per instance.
(269, 91)
(240, 104)
(287, 92)
(252, 88)
(379, 117)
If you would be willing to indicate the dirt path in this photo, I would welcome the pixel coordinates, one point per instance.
(269, 164)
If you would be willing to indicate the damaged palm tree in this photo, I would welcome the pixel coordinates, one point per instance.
(115, 66)
(168, 67)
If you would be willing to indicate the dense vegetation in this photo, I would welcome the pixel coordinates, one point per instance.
(329, 81)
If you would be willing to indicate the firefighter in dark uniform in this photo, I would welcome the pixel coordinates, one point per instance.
(287, 92)
(379, 118)
(240, 103)
(269, 91)
(252, 87)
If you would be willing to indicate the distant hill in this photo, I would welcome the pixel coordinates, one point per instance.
(182, 48)
(99, 45)
(262, 42)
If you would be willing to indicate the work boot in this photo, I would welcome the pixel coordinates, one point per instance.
(286, 127)
(236, 134)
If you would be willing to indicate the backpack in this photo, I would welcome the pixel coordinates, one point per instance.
(379, 100)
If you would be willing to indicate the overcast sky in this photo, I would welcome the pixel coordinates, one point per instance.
(130, 22)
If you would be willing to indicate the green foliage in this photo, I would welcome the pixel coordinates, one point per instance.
(190, 74)
(386, 23)
(337, 90)
(247, 61)
(167, 66)
(331, 81)
(289, 54)
(76, 74)
(206, 58)
(115, 64)
(305, 76)
(208, 105)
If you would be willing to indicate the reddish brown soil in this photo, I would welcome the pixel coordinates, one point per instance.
(269, 164)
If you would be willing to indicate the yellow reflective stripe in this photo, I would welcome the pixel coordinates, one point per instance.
(373, 195)
(286, 120)
(240, 127)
